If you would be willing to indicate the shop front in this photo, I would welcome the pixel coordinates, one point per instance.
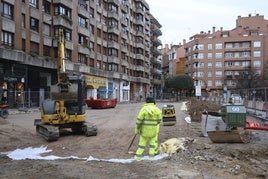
(12, 90)
(95, 86)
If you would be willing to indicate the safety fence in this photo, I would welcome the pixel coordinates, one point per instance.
(256, 108)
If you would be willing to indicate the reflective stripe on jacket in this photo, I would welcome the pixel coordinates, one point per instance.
(149, 119)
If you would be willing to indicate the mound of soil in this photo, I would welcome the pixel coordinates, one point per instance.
(197, 107)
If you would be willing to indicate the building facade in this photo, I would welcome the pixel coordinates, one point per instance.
(109, 41)
(230, 59)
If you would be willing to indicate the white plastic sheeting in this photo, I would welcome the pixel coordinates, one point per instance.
(37, 154)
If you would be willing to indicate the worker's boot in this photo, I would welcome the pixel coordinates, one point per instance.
(137, 157)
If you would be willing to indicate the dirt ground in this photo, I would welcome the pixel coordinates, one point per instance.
(201, 159)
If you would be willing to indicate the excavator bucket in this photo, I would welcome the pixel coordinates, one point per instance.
(230, 136)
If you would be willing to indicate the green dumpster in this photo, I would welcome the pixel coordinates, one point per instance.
(234, 115)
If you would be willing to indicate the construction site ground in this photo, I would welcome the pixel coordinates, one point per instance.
(200, 159)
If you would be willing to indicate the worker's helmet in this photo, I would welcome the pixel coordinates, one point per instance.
(150, 100)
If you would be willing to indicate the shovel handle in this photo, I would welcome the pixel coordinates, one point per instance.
(131, 142)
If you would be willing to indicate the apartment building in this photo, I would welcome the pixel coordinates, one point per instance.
(230, 59)
(109, 41)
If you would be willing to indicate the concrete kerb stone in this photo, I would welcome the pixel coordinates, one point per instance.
(12, 111)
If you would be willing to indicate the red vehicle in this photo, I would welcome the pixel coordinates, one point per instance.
(101, 103)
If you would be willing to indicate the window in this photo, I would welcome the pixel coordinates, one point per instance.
(98, 48)
(60, 10)
(200, 56)
(46, 29)
(209, 83)
(81, 21)
(228, 55)
(82, 39)
(209, 55)
(245, 54)
(253, 33)
(236, 55)
(112, 8)
(46, 6)
(228, 45)
(91, 62)
(7, 10)
(46, 50)
(245, 44)
(67, 34)
(210, 64)
(98, 65)
(257, 44)
(209, 46)
(229, 64)
(246, 64)
(218, 73)
(209, 73)
(257, 63)
(237, 64)
(82, 58)
(113, 52)
(218, 83)
(33, 3)
(91, 12)
(91, 29)
(91, 45)
(236, 45)
(98, 32)
(218, 46)
(218, 64)
(34, 47)
(68, 54)
(113, 67)
(218, 55)
(257, 53)
(34, 24)
(7, 38)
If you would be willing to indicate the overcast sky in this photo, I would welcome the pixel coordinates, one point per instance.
(182, 19)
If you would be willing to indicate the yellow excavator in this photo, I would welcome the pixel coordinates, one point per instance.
(67, 107)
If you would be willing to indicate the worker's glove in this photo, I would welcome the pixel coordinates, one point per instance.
(137, 130)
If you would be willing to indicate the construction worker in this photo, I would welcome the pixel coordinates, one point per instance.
(147, 126)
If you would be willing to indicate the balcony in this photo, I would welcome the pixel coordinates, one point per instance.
(82, 10)
(113, 14)
(139, 57)
(113, 29)
(113, 44)
(67, 3)
(62, 20)
(113, 59)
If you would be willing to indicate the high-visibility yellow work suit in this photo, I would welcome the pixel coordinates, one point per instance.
(147, 125)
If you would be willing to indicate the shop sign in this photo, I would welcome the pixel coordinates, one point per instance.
(95, 81)
(10, 79)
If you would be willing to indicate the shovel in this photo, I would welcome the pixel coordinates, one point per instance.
(131, 152)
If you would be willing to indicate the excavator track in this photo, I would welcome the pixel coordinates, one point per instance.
(49, 132)
(89, 129)
(52, 133)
